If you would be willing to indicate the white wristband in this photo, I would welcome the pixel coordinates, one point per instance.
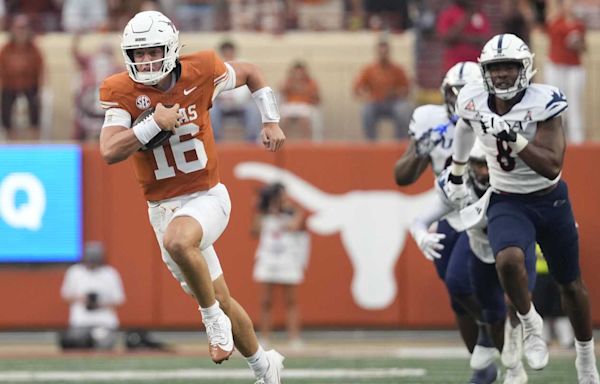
(519, 144)
(265, 100)
(146, 129)
(457, 169)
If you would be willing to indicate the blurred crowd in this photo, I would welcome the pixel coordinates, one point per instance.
(454, 28)
(263, 15)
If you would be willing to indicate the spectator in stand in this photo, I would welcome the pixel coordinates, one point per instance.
(387, 14)
(21, 73)
(93, 67)
(384, 88)
(463, 29)
(281, 257)
(518, 18)
(93, 291)
(84, 15)
(300, 107)
(236, 103)
(563, 68)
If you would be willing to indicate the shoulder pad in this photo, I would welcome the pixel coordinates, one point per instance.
(545, 101)
(426, 117)
(469, 101)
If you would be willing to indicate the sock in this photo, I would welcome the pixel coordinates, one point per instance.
(528, 319)
(210, 312)
(586, 359)
(483, 337)
(258, 362)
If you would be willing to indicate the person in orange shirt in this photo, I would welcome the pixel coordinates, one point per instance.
(188, 206)
(301, 100)
(384, 88)
(21, 73)
(563, 68)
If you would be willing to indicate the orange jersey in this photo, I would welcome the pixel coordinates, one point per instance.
(187, 163)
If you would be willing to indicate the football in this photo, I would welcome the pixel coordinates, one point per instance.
(160, 137)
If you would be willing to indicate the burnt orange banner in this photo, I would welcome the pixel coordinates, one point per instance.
(364, 268)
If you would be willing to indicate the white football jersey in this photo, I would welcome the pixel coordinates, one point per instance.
(428, 117)
(478, 240)
(508, 173)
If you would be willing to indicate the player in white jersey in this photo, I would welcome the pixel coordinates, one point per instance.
(520, 128)
(431, 130)
(482, 271)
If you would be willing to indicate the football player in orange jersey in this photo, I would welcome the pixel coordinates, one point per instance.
(188, 206)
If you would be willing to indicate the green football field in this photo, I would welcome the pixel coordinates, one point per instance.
(174, 368)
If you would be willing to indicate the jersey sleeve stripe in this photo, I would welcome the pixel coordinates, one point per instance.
(557, 113)
(222, 78)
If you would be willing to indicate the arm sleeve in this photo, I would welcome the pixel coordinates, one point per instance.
(464, 138)
(435, 211)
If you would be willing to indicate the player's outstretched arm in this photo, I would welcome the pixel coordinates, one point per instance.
(249, 74)
(410, 166)
(546, 152)
(429, 242)
(117, 142)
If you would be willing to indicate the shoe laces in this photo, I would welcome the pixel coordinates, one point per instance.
(216, 332)
(590, 378)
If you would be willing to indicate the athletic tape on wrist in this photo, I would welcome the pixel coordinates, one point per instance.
(519, 144)
(146, 130)
(267, 105)
(457, 169)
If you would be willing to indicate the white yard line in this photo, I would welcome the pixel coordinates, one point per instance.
(203, 374)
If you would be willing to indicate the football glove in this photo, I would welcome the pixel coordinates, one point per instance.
(430, 244)
(498, 127)
(455, 190)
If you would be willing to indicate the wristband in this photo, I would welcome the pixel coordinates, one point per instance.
(457, 169)
(267, 105)
(146, 129)
(519, 144)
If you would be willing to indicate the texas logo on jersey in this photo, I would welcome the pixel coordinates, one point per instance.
(187, 163)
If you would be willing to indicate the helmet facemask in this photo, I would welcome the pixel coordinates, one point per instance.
(521, 82)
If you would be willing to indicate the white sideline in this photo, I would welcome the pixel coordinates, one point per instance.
(139, 375)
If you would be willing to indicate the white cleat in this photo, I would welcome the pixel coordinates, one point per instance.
(587, 376)
(482, 357)
(273, 373)
(220, 338)
(516, 375)
(534, 345)
(512, 353)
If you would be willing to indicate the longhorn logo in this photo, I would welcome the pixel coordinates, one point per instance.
(372, 224)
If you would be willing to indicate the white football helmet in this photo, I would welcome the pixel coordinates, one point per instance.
(507, 47)
(150, 29)
(456, 78)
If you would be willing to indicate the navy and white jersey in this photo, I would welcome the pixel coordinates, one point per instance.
(508, 173)
(478, 240)
(434, 117)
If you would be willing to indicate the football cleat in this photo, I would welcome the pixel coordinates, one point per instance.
(220, 338)
(586, 375)
(516, 375)
(273, 373)
(512, 353)
(482, 357)
(534, 345)
(488, 375)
